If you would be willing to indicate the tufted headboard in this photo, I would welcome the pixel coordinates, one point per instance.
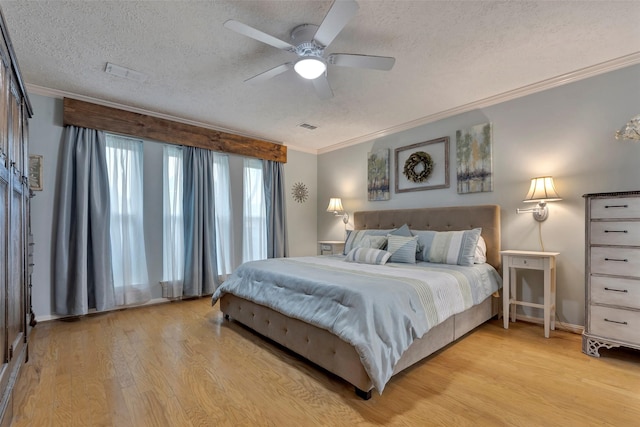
(440, 219)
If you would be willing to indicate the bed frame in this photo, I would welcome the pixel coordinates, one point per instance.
(337, 356)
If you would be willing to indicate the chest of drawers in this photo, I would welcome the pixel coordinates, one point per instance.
(612, 311)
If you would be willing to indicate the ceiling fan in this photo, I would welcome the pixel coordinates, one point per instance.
(309, 43)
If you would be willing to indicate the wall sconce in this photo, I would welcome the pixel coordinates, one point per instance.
(541, 191)
(335, 206)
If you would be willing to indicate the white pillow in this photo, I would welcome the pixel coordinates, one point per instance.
(481, 252)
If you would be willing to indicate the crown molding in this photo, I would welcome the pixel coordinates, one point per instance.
(594, 70)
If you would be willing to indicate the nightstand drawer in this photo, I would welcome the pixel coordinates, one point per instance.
(527, 262)
(619, 207)
(615, 291)
(616, 261)
(614, 323)
(615, 233)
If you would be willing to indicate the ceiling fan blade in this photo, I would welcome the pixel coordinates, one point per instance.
(339, 14)
(321, 84)
(248, 31)
(270, 73)
(384, 63)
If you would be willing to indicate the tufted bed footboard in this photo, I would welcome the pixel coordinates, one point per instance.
(337, 356)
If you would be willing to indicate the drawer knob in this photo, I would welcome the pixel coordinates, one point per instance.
(615, 231)
(616, 206)
(615, 290)
(615, 259)
(615, 321)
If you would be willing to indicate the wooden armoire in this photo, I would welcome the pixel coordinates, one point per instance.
(14, 213)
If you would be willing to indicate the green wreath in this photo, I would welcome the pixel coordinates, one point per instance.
(418, 167)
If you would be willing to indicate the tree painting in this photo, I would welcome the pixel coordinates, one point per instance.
(473, 153)
(378, 175)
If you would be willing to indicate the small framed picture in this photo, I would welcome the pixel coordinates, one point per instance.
(35, 172)
(423, 166)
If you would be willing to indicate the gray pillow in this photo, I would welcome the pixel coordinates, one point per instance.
(355, 237)
(403, 249)
(402, 231)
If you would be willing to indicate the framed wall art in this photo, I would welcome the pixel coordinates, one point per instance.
(422, 166)
(35, 172)
(474, 159)
(378, 175)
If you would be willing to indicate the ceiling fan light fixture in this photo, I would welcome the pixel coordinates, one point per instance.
(310, 68)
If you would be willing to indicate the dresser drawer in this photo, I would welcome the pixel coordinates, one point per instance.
(615, 233)
(614, 323)
(615, 291)
(526, 262)
(616, 261)
(620, 207)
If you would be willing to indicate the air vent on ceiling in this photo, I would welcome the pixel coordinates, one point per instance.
(127, 73)
(308, 126)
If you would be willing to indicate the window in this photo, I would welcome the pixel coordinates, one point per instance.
(173, 219)
(224, 223)
(129, 263)
(172, 222)
(254, 232)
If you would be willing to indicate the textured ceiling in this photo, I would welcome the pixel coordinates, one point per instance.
(448, 54)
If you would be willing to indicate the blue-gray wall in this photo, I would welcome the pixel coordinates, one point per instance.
(566, 132)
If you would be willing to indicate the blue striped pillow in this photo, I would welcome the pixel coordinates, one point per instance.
(403, 249)
(368, 256)
(454, 247)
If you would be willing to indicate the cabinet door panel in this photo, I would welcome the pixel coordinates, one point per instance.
(4, 85)
(15, 287)
(4, 271)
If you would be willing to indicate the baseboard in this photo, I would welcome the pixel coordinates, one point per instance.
(562, 326)
(50, 317)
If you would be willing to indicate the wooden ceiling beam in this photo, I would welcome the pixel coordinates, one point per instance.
(94, 116)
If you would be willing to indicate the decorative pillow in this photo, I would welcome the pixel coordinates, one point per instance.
(454, 247)
(375, 242)
(425, 238)
(402, 231)
(481, 252)
(403, 249)
(368, 256)
(355, 237)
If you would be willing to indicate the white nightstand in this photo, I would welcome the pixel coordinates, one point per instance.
(330, 247)
(544, 261)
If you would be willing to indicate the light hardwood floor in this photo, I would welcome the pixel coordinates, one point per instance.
(181, 364)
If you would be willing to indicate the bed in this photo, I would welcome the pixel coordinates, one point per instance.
(336, 351)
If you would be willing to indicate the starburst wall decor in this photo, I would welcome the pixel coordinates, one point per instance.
(299, 192)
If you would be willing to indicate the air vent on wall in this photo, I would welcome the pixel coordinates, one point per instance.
(308, 126)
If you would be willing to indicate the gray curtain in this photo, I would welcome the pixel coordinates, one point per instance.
(200, 260)
(82, 270)
(274, 193)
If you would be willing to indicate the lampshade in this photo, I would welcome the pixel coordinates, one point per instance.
(310, 68)
(335, 205)
(542, 190)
